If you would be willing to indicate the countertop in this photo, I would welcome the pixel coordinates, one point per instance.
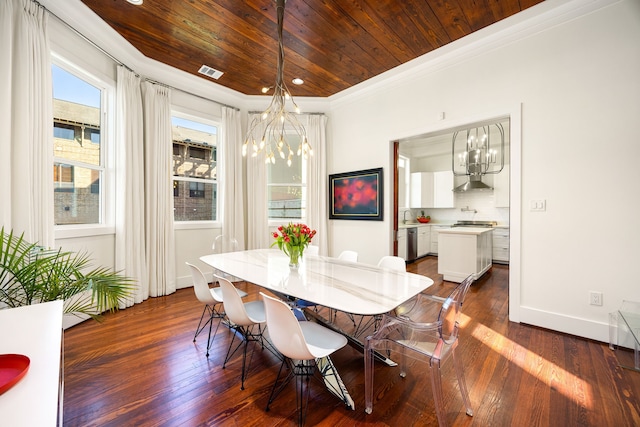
(466, 230)
(402, 226)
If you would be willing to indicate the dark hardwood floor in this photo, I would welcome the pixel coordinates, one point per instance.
(139, 367)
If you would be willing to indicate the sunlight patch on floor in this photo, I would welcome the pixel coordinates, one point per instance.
(534, 364)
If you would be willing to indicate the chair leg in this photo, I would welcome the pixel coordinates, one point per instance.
(199, 329)
(275, 390)
(436, 385)
(462, 382)
(302, 389)
(368, 376)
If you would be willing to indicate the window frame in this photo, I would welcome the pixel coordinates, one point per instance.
(304, 165)
(106, 169)
(196, 116)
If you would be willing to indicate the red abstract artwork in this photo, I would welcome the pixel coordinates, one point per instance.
(356, 195)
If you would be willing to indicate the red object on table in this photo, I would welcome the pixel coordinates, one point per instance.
(12, 368)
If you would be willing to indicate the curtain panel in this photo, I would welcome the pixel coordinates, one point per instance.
(130, 219)
(158, 157)
(231, 174)
(26, 138)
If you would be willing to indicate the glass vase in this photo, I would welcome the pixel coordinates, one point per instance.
(295, 253)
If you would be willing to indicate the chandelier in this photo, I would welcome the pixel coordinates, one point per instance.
(476, 156)
(268, 132)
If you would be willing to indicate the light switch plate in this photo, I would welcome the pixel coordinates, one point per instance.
(539, 205)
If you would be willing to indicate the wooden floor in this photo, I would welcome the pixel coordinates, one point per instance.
(140, 368)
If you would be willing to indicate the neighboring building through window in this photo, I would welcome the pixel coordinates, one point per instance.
(78, 161)
(195, 172)
(286, 185)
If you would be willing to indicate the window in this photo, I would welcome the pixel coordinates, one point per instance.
(196, 189)
(286, 186)
(78, 167)
(195, 173)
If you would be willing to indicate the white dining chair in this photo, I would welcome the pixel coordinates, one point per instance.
(393, 262)
(351, 256)
(301, 343)
(212, 300)
(243, 318)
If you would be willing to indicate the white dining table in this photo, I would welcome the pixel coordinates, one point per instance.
(351, 287)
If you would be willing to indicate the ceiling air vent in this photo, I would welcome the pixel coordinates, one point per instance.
(210, 72)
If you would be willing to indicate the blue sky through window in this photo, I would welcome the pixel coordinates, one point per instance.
(68, 87)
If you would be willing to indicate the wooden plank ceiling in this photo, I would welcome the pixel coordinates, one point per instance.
(331, 45)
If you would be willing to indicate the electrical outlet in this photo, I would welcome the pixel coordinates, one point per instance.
(595, 298)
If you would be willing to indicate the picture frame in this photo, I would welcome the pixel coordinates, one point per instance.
(356, 195)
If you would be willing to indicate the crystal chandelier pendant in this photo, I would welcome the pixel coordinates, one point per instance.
(276, 127)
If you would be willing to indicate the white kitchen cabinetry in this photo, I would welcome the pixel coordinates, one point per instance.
(402, 243)
(501, 188)
(464, 251)
(501, 245)
(432, 189)
(434, 237)
(424, 240)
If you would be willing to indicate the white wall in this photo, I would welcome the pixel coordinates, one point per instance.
(579, 87)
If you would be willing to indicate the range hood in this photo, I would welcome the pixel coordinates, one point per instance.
(473, 156)
(474, 182)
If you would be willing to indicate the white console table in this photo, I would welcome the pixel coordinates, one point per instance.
(36, 332)
(463, 251)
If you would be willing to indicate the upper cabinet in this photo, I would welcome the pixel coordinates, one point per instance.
(432, 189)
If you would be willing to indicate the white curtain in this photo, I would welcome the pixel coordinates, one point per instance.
(317, 196)
(230, 153)
(26, 122)
(130, 223)
(257, 215)
(158, 157)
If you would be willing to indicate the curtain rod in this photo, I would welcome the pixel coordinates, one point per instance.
(302, 114)
(117, 61)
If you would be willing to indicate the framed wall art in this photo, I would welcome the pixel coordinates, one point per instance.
(356, 195)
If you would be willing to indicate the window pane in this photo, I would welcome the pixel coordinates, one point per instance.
(286, 198)
(194, 157)
(194, 202)
(76, 118)
(285, 201)
(77, 195)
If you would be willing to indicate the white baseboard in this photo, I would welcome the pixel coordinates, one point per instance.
(584, 328)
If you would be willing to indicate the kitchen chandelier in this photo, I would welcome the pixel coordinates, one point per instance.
(475, 155)
(272, 126)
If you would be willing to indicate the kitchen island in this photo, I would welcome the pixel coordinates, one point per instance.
(463, 251)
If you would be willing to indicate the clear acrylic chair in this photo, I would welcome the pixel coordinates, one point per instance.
(223, 244)
(433, 341)
(212, 300)
(301, 343)
(243, 318)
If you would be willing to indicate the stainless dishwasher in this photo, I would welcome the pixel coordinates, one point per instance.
(412, 243)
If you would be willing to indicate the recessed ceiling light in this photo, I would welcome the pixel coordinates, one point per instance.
(297, 81)
(136, 2)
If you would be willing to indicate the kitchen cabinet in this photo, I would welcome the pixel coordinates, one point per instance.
(432, 189)
(402, 243)
(464, 251)
(424, 240)
(501, 245)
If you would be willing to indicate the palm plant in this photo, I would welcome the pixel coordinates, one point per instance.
(30, 274)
